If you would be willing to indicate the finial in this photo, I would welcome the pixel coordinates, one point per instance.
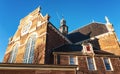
(47, 16)
(39, 8)
(107, 20)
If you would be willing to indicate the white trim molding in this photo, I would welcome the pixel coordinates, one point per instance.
(18, 42)
(39, 23)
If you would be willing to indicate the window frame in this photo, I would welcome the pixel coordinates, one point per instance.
(29, 50)
(94, 64)
(14, 51)
(110, 64)
(58, 59)
(75, 58)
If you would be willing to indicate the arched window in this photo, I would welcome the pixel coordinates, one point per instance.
(13, 53)
(29, 52)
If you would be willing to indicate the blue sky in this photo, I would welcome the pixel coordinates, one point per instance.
(76, 12)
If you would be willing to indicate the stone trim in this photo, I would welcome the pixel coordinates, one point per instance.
(41, 23)
(26, 40)
(18, 42)
(36, 67)
(81, 54)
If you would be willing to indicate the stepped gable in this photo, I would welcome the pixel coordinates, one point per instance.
(86, 32)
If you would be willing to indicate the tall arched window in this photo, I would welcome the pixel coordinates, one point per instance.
(13, 53)
(29, 52)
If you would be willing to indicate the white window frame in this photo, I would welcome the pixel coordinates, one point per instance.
(109, 63)
(13, 53)
(94, 63)
(27, 58)
(75, 58)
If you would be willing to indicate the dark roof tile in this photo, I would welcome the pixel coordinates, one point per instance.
(68, 48)
(86, 32)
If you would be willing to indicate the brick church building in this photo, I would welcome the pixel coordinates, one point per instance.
(38, 47)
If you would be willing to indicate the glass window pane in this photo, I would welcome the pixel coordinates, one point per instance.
(73, 60)
(13, 54)
(29, 52)
(107, 63)
(91, 65)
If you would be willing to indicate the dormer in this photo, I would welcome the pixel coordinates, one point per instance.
(87, 49)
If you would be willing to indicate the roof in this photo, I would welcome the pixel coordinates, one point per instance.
(102, 52)
(86, 32)
(77, 49)
(56, 30)
(78, 53)
(68, 48)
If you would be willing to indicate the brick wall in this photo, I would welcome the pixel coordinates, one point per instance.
(36, 72)
(22, 40)
(83, 68)
(55, 72)
(64, 59)
(36, 69)
(17, 71)
(53, 40)
(109, 43)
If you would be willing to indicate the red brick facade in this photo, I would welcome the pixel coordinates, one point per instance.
(82, 63)
(53, 40)
(53, 48)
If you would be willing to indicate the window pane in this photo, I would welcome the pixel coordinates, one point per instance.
(13, 54)
(91, 65)
(73, 60)
(107, 63)
(29, 52)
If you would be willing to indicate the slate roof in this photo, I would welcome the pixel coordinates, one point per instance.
(68, 48)
(102, 52)
(81, 34)
(73, 48)
(86, 32)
